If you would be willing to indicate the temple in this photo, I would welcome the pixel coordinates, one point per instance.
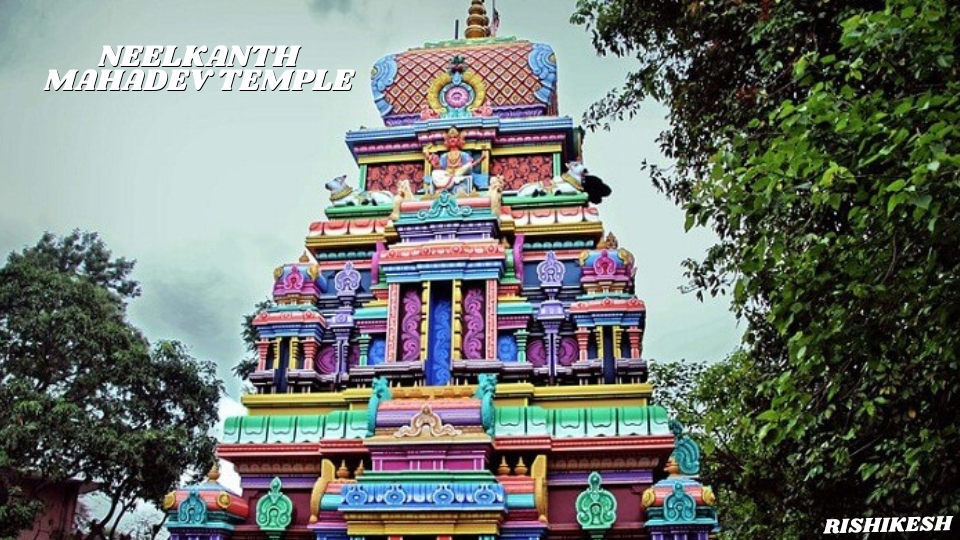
(458, 355)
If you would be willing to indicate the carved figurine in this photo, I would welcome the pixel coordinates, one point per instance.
(404, 194)
(575, 180)
(380, 392)
(452, 171)
(486, 389)
(343, 195)
(495, 194)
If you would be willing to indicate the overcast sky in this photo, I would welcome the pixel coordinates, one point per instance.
(209, 191)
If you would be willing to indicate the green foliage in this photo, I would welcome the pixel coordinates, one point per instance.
(821, 142)
(82, 393)
(247, 365)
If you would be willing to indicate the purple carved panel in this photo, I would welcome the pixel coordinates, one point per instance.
(474, 321)
(410, 326)
(569, 351)
(537, 353)
(327, 361)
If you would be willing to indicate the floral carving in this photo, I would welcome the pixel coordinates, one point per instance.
(385, 177)
(410, 326)
(474, 319)
(517, 171)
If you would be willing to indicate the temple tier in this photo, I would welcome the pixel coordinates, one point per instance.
(458, 354)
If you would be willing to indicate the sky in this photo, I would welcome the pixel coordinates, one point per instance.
(209, 190)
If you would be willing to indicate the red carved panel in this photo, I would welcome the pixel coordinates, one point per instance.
(504, 68)
(518, 171)
(385, 176)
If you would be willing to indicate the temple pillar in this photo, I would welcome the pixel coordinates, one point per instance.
(393, 322)
(309, 353)
(491, 296)
(583, 342)
(617, 339)
(521, 337)
(263, 347)
(598, 330)
(456, 343)
(364, 342)
(294, 350)
(633, 334)
(342, 329)
(276, 353)
(424, 320)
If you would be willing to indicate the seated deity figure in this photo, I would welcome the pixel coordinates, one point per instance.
(453, 170)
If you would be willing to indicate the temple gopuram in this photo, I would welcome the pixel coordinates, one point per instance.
(458, 355)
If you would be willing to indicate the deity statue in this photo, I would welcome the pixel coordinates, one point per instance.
(453, 171)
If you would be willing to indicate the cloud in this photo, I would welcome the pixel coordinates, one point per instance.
(324, 8)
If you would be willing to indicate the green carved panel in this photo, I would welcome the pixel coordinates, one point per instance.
(231, 430)
(538, 420)
(355, 424)
(659, 420)
(254, 429)
(274, 510)
(310, 428)
(569, 423)
(336, 425)
(602, 422)
(633, 421)
(281, 429)
(510, 421)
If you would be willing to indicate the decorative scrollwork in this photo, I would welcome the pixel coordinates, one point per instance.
(274, 510)
(427, 423)
(445, 206)
(192, 510)
(347, 281)
(679, 506)
(596, 507)
(550, 272)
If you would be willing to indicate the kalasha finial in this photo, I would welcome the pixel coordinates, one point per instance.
(214, 473)
(478, 25)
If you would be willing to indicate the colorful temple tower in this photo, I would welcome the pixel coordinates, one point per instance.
(459, 354)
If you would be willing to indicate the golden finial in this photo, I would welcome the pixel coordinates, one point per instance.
(304, 258)
(521, 468)
(214, 473)
(503, 469)
(478, 25)
(343, 472)
(672, 468)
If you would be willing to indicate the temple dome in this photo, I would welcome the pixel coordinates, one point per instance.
(477, 76)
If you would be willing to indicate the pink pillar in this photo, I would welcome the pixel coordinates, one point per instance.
(309, 352)
(393, 321)
(583, 340)
(491, 316)
(635, 335)
(263, 346)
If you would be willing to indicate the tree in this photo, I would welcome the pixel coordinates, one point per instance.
(820, 141)
(247, 365)
(83, 395)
